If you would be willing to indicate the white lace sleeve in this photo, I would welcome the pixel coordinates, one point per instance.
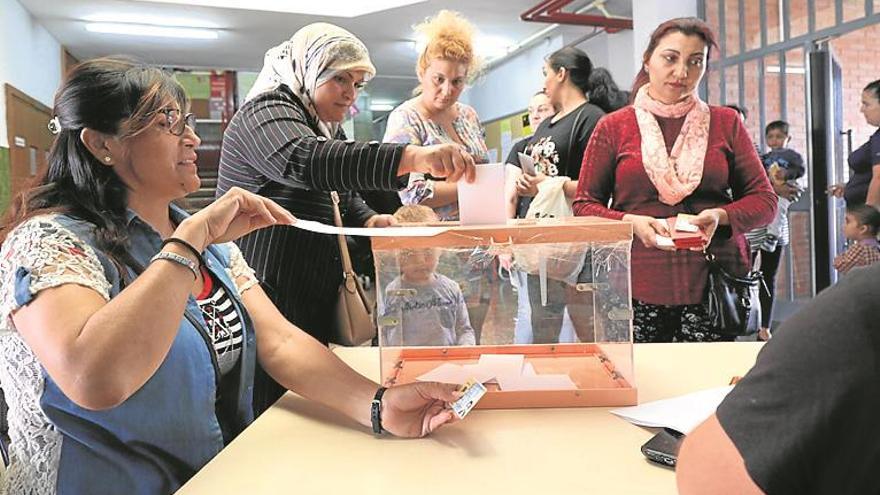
(40, 254)
(239, 271)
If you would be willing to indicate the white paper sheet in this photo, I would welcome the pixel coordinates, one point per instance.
(447, 373)
(502, 365)
(662, 240)
(482, 201)
(510, 371)
(683, 413)
(322, 228)
(536, 382)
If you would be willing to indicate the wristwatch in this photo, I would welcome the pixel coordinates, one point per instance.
(376, 411)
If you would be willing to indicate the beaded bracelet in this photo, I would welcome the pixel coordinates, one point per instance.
(180, 260)
(187, 246)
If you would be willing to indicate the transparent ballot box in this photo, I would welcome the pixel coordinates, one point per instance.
(539, 310)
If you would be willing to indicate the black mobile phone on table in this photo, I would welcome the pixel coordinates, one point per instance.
(663, 447)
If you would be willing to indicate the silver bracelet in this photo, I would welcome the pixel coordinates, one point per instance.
(180, 260)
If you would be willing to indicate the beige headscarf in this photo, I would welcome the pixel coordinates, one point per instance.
(310, 58)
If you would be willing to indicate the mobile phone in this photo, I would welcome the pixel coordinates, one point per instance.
(663, 447)
(527, 164)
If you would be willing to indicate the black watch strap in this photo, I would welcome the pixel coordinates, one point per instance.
(376, 411)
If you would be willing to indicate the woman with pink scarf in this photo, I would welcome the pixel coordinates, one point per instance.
(670, 153)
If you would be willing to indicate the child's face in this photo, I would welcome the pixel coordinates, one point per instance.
(852, 229)
(776, 139)
(418, 265)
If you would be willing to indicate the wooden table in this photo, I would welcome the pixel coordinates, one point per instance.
(303, 448)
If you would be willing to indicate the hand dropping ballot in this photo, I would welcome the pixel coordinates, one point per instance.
(471, 393)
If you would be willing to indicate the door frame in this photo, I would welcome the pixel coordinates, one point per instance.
(12, 94)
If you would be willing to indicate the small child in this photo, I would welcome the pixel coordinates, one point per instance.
(861, 226)
(430, 306)
(784, 167)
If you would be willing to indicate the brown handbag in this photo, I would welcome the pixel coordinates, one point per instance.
(354, 322)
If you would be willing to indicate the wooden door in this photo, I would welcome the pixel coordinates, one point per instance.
(29, 137)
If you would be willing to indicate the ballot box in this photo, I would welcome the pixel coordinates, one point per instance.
(538, 310)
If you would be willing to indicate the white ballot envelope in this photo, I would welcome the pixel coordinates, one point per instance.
(482, 201)
(527, 164)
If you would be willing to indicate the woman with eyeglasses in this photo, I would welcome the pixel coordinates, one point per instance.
(129, 331)
(286, 143)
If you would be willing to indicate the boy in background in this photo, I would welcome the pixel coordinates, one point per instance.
(785, 167)
(430, 305)
(861, 226)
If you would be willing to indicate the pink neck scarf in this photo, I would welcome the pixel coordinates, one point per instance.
(677, 174)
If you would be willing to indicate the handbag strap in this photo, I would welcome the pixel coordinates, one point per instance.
(343, 245)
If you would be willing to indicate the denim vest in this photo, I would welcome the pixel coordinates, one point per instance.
(174, 424)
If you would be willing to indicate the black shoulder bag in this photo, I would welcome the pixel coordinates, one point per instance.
(733, 304)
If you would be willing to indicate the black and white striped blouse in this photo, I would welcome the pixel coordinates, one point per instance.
(222, 320)
(272, 147)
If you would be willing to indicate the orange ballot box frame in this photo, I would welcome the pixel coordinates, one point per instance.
(586, 257)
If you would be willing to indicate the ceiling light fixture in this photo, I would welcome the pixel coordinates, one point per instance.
(336, 8)
(152, 30)
(153, 19)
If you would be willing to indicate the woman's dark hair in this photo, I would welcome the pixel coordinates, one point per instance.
(689, 26)
(576, 63)
(874, 88)
(115, 96)
(604, 92)
(866, 215)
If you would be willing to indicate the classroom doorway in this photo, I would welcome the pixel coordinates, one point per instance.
(29, 137)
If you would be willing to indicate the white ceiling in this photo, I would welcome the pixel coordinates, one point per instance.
(246, 34)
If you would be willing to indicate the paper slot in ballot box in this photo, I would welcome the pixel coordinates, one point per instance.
(537, 310)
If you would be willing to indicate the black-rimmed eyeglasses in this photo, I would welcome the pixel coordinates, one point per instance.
(175, 124)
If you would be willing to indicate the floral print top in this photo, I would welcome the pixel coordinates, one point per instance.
(406, 125)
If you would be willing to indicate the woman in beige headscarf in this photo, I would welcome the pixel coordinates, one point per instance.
(286, 143)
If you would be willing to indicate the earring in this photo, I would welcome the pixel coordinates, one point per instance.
(107, 159)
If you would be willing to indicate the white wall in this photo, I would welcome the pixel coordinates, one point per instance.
(596, 48)
(648, 15)
(30, 58)
(507, 88)
(621, 67)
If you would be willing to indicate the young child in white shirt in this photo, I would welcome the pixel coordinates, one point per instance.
(430, 306)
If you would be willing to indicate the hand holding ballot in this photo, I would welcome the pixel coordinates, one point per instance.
(708, 221)
(684, 233)
(653, 232)
(416, 409)
(450, 161)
